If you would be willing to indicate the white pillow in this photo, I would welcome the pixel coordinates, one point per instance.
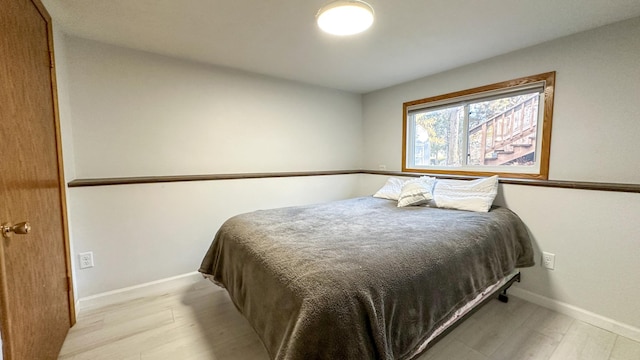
(417, 192)
(474, 195)
(391, 189)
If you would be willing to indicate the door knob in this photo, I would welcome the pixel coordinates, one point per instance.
(21, 229)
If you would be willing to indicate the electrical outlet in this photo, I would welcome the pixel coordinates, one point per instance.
(548, 260)
(382, 167)
(86, 260)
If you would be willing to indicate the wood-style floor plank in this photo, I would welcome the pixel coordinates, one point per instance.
(585, 342)
(549, 323)
(200, 322)
(526, 343)
(459, 351)
(625, 349)
(494, 324)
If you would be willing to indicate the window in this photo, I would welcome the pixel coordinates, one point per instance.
(503, 129)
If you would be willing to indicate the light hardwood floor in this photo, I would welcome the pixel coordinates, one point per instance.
(200, 322)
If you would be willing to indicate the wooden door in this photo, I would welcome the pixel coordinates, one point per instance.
(35, 292)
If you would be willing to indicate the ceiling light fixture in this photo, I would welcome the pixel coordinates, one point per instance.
(346, 17)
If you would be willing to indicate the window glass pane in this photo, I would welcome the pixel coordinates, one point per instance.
(502, 132)
(438, 137)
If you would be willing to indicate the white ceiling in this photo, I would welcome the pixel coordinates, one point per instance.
(409, 38)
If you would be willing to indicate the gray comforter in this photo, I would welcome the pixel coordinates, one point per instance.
(360, 278)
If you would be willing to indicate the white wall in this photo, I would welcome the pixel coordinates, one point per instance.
(141, 233)
(595, 127)
(136, 114)
(596, 132)
(64, 108)
(64, 111)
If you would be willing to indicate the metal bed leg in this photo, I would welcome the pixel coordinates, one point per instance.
(503, 297)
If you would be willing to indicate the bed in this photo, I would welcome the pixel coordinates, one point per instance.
(362, 278)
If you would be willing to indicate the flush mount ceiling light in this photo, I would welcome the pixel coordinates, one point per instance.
(345, 17)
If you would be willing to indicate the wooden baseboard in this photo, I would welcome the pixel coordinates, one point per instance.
(153, 288)
(575, 312)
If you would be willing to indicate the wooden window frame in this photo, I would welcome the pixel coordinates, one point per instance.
(549, 86)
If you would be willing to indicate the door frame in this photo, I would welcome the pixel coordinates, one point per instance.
(6, 336)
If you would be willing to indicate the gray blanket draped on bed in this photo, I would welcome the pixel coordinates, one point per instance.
(360, 278)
